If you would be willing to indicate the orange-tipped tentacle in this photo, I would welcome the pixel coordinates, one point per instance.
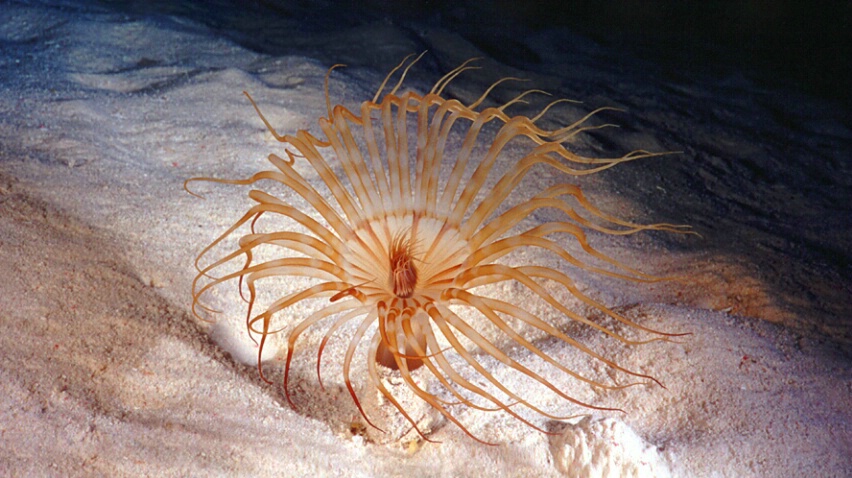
(520, 99)
(342, 306)
(404, 72)
(347, 363)
(443, 318)
(446, 79)
(488, 90)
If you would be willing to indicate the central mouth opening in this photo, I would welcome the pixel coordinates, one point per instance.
(403, 273)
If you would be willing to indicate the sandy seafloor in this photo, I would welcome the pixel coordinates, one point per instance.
(105, 111)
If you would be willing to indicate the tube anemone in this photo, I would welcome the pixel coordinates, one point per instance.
(405, 233)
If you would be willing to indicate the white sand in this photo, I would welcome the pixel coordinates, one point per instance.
(105, 372)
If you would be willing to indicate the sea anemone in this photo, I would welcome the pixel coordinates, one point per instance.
(404, 229)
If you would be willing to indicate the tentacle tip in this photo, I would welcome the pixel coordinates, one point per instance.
(186, 187)
(427, 439)
(477, 439)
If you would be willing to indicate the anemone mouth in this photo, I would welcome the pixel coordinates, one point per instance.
(403, 229)
(403, 271)
(405, 255)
